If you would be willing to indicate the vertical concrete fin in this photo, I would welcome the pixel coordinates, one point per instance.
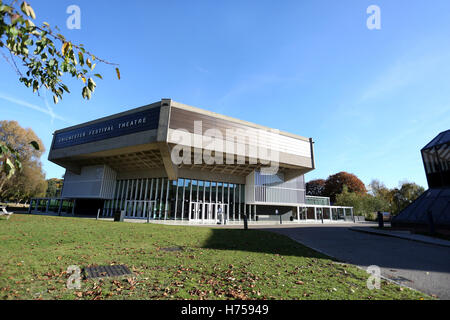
(164, 118)
(163, 131)
(169, 166)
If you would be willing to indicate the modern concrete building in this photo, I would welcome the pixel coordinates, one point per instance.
(432, 208)
(171, 161)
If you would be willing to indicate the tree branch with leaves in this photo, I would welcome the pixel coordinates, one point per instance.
(45, 54)
(43, 57)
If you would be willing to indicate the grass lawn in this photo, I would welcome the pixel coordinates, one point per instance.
(214, 263)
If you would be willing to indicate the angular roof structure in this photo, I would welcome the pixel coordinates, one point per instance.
(436, 200)
(443, 137)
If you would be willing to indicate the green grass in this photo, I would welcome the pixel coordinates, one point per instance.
(215, 263)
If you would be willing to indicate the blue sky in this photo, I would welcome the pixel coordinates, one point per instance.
(369, 98)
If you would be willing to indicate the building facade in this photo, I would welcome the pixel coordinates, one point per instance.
(170, 161)
(431, 210)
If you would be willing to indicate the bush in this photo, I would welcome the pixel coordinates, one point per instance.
(371, 216)
(363, 204)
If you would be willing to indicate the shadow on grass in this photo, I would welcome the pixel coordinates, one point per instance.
(258, 241)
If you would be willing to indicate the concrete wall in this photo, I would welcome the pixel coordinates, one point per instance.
(94, 182)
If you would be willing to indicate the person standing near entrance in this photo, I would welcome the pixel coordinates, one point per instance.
(220, 215)
(276, 213)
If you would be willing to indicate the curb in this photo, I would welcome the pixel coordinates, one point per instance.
(400, 237)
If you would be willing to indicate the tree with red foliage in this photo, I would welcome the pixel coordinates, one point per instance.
(335, 183)
(315, 187)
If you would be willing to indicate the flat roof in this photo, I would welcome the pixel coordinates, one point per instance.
(181, 106)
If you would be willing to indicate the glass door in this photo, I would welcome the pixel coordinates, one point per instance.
(221, 212)
(148, 208)
(210, 211)
(196, 211)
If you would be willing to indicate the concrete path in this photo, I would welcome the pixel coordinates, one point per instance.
(422, 266)
(404, 235)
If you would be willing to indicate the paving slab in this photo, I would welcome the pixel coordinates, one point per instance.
(421, 266)
(404, 235)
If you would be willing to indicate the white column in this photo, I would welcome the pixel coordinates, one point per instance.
(234, 202)
(141, 187)
(156, 197)
(176, 201)
(150, 210)
(239, 201)
(190, 201)
(204, 206)
(182, 202)
(135, 197)
(228, 202)
(315, 213)
(161, 197)
(144, 207)
(167, 199)
(124, 185)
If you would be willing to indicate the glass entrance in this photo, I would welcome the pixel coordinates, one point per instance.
(139, 209)
(208, 212)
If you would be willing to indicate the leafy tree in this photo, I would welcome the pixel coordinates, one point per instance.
(315, 187)
(54, 187)
(15, 140)
(45, 54)
(363, 204)
(351, 199)
(379, 190)
(28, 183)
(405, 195)
(44, 57)
(335, 183)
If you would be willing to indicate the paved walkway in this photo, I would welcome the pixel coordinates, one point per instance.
(404, 235)
(422, 266)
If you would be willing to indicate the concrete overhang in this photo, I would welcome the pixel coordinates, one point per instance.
(150, 150)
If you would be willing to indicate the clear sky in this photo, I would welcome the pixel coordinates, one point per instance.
(371, 99)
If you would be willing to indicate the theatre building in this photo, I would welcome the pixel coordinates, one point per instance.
(170, 161)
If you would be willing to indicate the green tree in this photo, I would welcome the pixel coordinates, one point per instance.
(335, 183)
(363, 204)
(28, 183)
(45, 55)
(351, 199)
(15, 140)
(54, 187)
(405, 195)
(315, 187)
